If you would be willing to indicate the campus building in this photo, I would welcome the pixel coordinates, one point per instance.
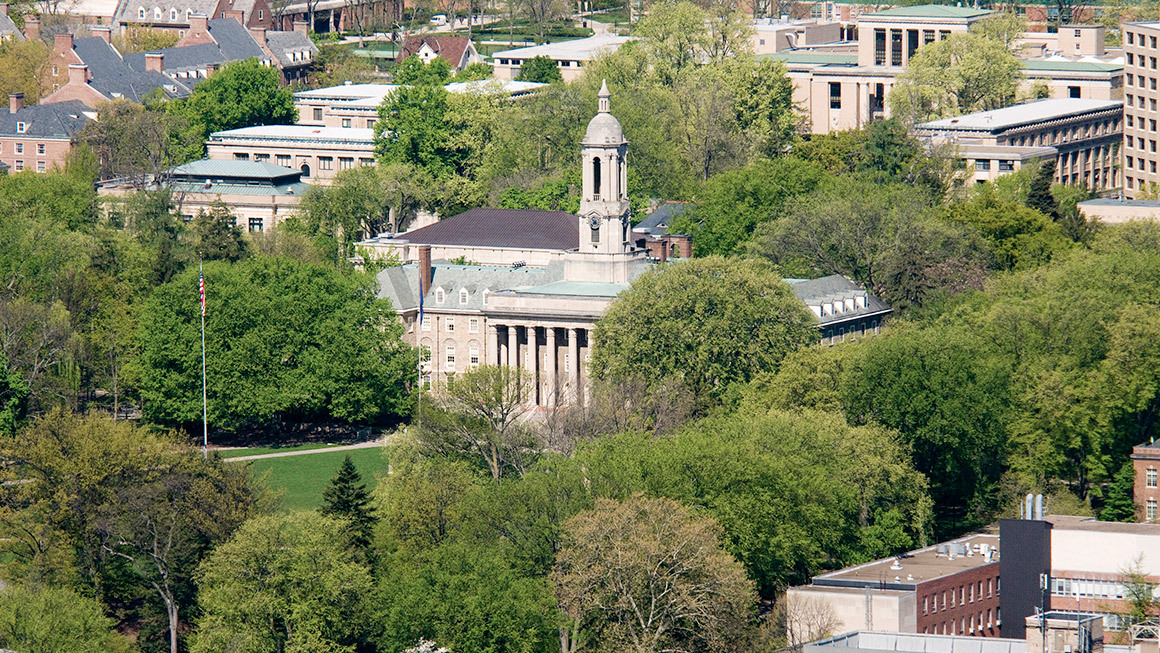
(1141, 72)
(1146, 489)
(39, 137)
(318, 153)
(1082, 136)
(570, 56)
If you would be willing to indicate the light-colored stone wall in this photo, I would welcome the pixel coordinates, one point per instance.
(856, 609)
(1141, 113)
(325, 160)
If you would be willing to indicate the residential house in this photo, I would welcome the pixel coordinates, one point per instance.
(176, 16)
(8, 29)
(92, 71)
(843, 309)
(458, 51)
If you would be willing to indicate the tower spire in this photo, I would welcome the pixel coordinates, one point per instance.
(603, 106)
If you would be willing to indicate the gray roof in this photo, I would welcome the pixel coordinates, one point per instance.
(114, 77)
(876, 642)
(515, 228)
(235, 41)
(127, 11)
(657, 222)
(999, 120)
(216, 188)
(835, 288)
(53, 120)
(283, 43)
(1109, 201)
(400, 284)
(186, 57)
(9, 28)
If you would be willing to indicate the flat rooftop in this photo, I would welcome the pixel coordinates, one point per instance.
(1012, 152)
(1077, 523)
(579, 49)
(929, 11)
(297, 133)
(1142, 204)
(918, 566)
(999, 120)
(917, 643)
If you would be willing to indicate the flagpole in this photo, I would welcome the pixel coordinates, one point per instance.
(204, 407)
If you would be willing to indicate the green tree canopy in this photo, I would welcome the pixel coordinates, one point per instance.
(53, 620)
(540, 69)
(284, 339)
(241, 94)
(413, 71)
(685, 321)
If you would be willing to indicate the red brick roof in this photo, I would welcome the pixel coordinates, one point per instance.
(451, 48)
(516, 228)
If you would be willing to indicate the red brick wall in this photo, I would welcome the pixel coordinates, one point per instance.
(56, 151)
(966, 606)
(1143, 460)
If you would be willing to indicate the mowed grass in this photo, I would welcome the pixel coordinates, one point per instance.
(305, 477)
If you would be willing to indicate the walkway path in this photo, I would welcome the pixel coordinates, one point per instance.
(345, 447)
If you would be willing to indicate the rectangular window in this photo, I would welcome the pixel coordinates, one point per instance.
(835, 95)
(927, 36)
(261, 157)
(911, 42)
(1150, 478)
(1150, 510)
(983, 165)
(364, 162)
(40, 148)
(41, 166)
(473, 325)
(370, 123)
(325, 163)
(20, 148)
(317, 114)
(895, 47)
(345, 163)
(1073, 91)
(20, 127)
(924, 601)
(284, 160)
(19, 165)
(241, 156)
(1152, 42)
(450, 357)
(473, 354)
(451, 324)
(255, 224)
(260, 12)
(879, 47)
(426, 322)
(346, 122)
(1152, 125)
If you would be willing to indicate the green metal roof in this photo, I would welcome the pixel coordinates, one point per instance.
(233, 169)
(578, 289)
(811, 57)
(1072, 66)
(930, 11)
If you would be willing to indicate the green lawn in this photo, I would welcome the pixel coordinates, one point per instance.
(257, 451)
(305, 477)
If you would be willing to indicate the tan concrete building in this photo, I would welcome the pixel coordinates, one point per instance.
(1082, 136)
(1141, 113)
(538, 319)
(319, 153)
(1114, 210)
(570, 56)
(260, 195)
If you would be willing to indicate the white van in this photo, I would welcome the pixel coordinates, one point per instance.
(439, 19)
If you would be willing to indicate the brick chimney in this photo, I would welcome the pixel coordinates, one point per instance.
(210, 69)
(198, 25)
(15, 102)
(103, 32)
(259, 34)
(302, 26)
(63, 43)
(154, 62)
(32, 28)
(237, 15)
(4, 8)
(424, 269)
(78, 73)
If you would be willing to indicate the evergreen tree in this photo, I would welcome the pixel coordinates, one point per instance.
(1118, 503)
(348, 499)
(1039, 194)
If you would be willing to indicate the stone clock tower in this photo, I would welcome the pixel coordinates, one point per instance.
(605, 253)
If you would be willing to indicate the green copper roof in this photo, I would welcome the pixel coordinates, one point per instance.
(930, 11)
(811, 57)
(1072, 66)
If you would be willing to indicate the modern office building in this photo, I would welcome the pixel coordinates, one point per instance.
(1141, 113)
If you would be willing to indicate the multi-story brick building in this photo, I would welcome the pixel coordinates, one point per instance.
(39, 137)
(1141, 113)
(951, 588)
(1146, 489)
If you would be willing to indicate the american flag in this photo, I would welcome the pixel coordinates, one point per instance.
(201, 288)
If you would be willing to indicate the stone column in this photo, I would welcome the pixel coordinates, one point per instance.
(513, 351)
(552, 371)
(574, 361)
(491, 345)
(534, 365)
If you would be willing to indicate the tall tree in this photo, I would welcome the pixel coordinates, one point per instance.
(1118, 501)
(241, 94)
(960, 74)
(683, 321)
(217, 236)
(347, 498)
(648, 575)
(41, 619)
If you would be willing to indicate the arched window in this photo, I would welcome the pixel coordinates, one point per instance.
(305, 170)
(463, 296)
(439, 295)
(141, 13)
(157, 13)
(596, 175)
(173, 15)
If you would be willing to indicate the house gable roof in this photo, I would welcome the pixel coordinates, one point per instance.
(53, 120)
(451, 48)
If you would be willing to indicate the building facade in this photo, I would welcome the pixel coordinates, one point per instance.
(1141, 113)
(318, 153)
(1083, 136)
(950, 589)
(39, 137)
(570, 56)
(1146, 489)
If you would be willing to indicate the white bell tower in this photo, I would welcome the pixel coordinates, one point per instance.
(604, 225)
